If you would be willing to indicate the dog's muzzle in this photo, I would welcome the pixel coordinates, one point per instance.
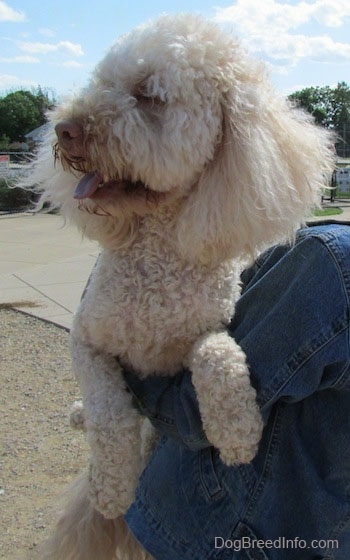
(70, 138)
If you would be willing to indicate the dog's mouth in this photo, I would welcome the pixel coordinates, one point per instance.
(92, 185)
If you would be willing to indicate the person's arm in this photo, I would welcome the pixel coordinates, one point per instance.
(295, 337)
(171, 405)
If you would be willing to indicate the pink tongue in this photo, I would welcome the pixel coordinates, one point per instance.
(88, 185)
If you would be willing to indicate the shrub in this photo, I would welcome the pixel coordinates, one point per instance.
(14, 198)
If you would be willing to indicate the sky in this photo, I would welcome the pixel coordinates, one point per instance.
(57, 43)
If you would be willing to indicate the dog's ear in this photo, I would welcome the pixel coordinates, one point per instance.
(264, 180)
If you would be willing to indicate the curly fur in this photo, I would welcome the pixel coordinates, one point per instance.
(200, 164)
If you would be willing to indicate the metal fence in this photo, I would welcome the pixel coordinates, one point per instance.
(12, 163)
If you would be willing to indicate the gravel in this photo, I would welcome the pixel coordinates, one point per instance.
(39, 452)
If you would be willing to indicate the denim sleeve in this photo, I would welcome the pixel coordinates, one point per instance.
(292, 321)
(171, 405)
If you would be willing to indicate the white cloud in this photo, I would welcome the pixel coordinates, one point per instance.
(9, 14)
(44, 48)
(74, 48)
(270, 28)
(8, 81)
(46, 32)
(331, 13)
(254, 13)
(20, 60)
(322, 49)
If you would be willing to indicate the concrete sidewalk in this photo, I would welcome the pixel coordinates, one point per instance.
(44, 266)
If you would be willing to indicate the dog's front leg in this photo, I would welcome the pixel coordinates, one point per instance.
(227, 400)
(113, 429)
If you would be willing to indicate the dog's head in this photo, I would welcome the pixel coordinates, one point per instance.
(178, 116)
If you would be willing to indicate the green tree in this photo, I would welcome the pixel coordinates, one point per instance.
(315, 100)
(330, 107)
(341, 105)
(4, 143)
(45, 100)
(22, 111)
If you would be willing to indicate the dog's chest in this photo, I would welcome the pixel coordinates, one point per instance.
(148, 306)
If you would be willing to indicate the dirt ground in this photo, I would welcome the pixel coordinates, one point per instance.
(39, 452)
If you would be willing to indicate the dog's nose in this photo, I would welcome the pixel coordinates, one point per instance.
(70, 137)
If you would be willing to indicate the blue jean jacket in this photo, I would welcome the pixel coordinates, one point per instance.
(292, 502)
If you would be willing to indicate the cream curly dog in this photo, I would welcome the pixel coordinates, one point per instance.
(179, 159)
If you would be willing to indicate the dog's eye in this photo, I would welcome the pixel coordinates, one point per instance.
(143, 97)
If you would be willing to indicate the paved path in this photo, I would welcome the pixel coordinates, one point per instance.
(44, 266)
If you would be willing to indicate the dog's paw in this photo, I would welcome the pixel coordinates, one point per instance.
(77, 417)
(110, 495)
(149, 439)
(240, 443)
(227, 400)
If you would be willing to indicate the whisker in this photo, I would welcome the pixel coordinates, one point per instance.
(68, 163)
(98, 210)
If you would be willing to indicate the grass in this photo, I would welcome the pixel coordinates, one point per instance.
(328, 211)
(13, 198)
